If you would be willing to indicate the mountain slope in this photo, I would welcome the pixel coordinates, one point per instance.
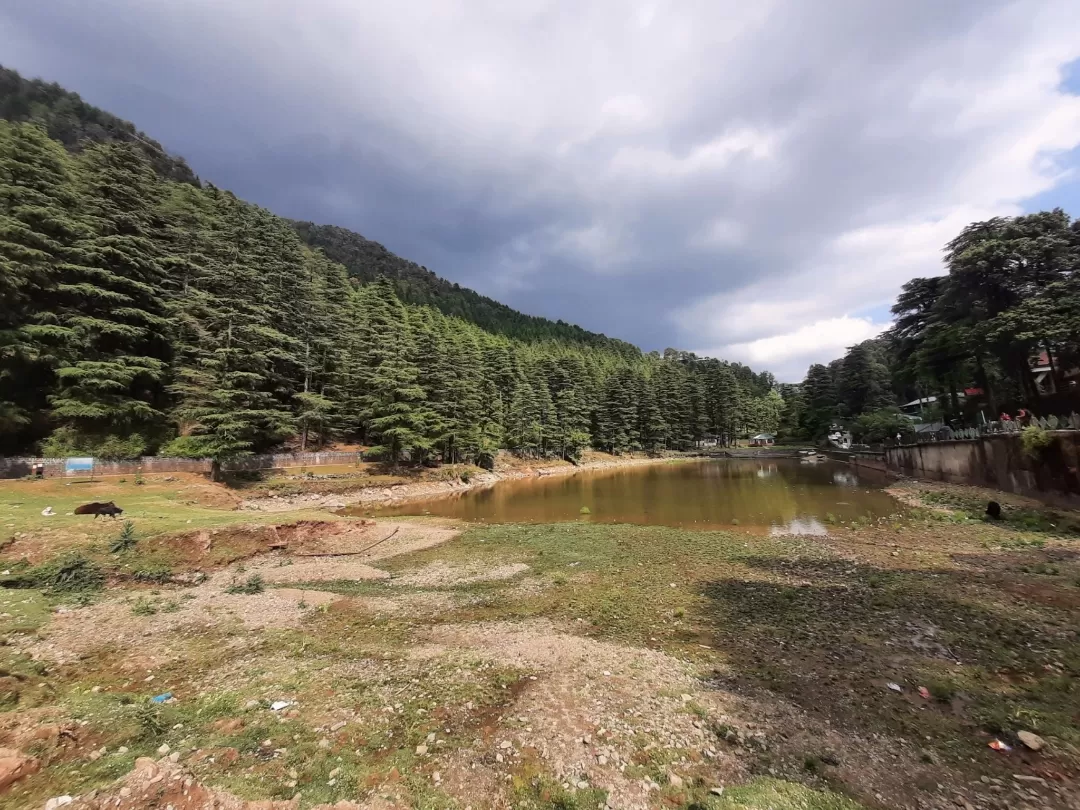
(367, 260)
(73, 122)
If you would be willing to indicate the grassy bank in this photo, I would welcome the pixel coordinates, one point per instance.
(565, 665)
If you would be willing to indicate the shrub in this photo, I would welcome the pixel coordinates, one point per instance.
(69, 573)
(70, 442)
(155, 573)
(252, 585)
(126, 540)
(1035, 440)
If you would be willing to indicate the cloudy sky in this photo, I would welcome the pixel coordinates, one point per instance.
(749, 180)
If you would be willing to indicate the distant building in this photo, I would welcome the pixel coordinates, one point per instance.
(763, 440)
(1043, 372)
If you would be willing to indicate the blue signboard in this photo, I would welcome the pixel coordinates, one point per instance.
(74, 466)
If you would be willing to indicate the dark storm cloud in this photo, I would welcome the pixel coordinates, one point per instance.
(727, 177)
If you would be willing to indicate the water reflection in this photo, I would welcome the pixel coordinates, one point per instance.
(845, 478)
(780, 494)
(809, 526)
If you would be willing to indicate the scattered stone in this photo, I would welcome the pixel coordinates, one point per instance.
(582, 785)
(675, 780)
(324, 743)
(1032, 741)
(58, 801)
(421, 750)
(436, 777)
(338, 726)
(1023, 777)
(601, 760)
(164, 749)
(717, 791)
(506, 744)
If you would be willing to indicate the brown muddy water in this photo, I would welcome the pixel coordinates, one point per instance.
(781, 496)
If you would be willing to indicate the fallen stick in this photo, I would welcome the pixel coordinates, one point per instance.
(354, 553)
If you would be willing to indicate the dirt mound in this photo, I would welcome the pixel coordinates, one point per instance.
(590, 711)
(305, 538)
(166, 784)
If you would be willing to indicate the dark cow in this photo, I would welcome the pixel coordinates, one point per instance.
(95, 509)
(993, 510)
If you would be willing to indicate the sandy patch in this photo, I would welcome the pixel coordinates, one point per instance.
(316, 569)
(441, 574)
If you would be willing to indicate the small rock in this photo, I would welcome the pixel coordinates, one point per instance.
(717, 791)
(895, 687)
(431, 737)
(498, 757)
(675, 780)
(96, 689)
(123, 749)
(582, 785)
(1032, 741)
(421, 750)
(125, 792)
(324, 743)
(338, 726)
(1023, 777)
(164, 749)
(436, 777)
(506, 744)
(601, 760)
(58, 801)
(335, 772)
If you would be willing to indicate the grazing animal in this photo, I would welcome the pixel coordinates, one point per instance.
(96, 509)
(993, 509)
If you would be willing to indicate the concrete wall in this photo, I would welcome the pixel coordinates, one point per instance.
(858, 458)
(997, 461)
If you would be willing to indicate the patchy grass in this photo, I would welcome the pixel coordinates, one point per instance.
(776, 794)
(808, 628)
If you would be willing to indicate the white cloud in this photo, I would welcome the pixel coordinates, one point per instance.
(788, 354)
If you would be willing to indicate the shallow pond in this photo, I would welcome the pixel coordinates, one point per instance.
(778, 495)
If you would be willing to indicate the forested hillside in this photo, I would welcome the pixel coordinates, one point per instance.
(140, 314)
(74, 123)
(974, 339)
(367, 260)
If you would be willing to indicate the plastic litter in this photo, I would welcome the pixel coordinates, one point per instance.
(998, 745)
(278, 705)
(924, 692)
(161, 698)
(47, 512)
(895, 686)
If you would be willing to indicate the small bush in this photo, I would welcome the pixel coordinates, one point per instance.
(143, 607)
(252, 585)
(585, 511)
(70, 573)
(1035, 440)
(126, 539)
(155, 573)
